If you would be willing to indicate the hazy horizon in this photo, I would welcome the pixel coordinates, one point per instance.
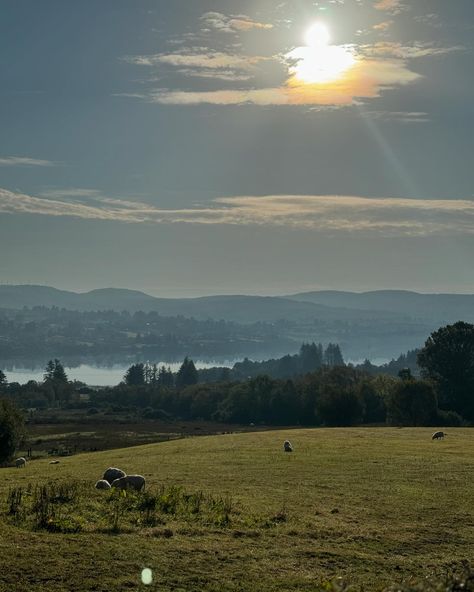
(158, 294)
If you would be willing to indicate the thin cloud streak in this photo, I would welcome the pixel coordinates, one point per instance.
(327, 214)
(25, 161)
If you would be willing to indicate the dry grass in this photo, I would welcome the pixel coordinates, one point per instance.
(370, 505)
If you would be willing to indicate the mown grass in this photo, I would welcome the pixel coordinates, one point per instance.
(372, 506)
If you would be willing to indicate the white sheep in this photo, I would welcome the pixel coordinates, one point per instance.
(113, 473)
(102, 484)
(287, 446)
(136, 482)
(438, 436)
(20, 462)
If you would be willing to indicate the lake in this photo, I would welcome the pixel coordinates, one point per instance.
(95, 375)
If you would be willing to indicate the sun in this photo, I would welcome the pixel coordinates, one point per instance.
(318, 62)
(317, 35)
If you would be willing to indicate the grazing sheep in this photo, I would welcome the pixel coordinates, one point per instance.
(102, 484)
(136, 482)
(113, 473)
(20, 462)
(287, 447)
(438, 436)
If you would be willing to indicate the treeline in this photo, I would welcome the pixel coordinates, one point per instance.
(333, 394)
(337, 396)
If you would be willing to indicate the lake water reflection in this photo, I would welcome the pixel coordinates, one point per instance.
(95, 375)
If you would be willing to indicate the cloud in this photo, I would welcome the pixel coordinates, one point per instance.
(232, 24)
(203, 63)
(391, 6)
(322, 213)
(71, 192)
(384, 26)
(25, 161)
(366, 79)
(398, 116)
(400, 51)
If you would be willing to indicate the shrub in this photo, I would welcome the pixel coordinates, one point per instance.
(11, 430)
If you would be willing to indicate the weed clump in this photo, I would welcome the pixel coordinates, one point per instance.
(72, 507)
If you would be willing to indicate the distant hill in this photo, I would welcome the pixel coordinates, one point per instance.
(377, 325)
(442, 307)
(242, 309)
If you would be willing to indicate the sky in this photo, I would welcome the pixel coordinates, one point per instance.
(246, 146)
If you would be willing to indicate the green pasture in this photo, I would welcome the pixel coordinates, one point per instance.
(372, 506)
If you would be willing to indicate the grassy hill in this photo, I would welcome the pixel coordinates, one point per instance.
(371, 505)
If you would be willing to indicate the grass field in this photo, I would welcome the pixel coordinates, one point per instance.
(371, 505)
(77, 432)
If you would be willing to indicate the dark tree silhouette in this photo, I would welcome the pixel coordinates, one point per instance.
(55, 371)
(11, 429)
(135, 375)
(333, 355)
(187, 374)
(448, 359)
(412, 403)
(3, 380)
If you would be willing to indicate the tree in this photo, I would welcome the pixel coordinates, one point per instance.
(3, 380)
(412, 403)
(447, 358)
(339, 407)
(135, 375)
(333, 355)
(55, 371)
(11, 429)
(165, 377)
(56, 381)
(372, 402)
(311, 357)
(187, 374)
(337, 400)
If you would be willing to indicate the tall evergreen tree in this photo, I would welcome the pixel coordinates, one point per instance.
(187, 374)
(165, 377)
(333, 355)
(135, 375)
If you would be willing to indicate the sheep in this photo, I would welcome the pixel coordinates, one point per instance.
(20, 462)
(113, 473)
(102, 484)
(438, 436)
(136, 482)
(54, 462)
(287, 446)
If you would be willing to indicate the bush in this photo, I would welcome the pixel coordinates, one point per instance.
(11, 429)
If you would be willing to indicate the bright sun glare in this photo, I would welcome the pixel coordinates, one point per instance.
(318, 62)
(317, 35)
